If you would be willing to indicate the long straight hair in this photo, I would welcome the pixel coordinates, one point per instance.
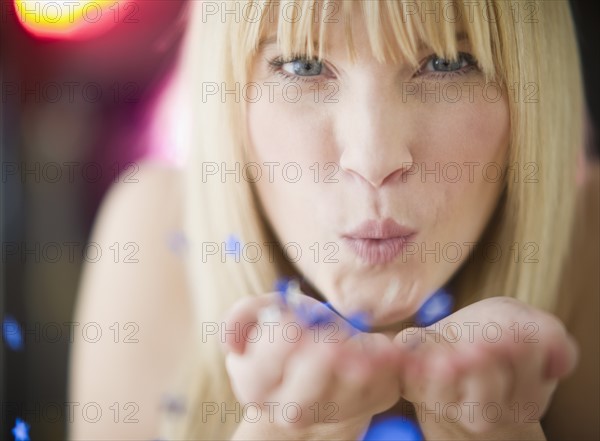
(529, 49)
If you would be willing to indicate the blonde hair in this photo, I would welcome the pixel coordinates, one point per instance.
(509, 50)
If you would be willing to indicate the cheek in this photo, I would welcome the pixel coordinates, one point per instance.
(467, 146)
(290, 142)
(471, 135)
(287, 132)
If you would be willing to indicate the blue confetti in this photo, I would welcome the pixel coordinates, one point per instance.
(173, 404)
(21, 430)
(281, 286)
(177, 242)
(320, 315)
(360, 321)
(394, 429)
(13, 336)
(438, 306)
(233, 244)
(317, 314)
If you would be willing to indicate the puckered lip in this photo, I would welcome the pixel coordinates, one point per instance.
(379, 229)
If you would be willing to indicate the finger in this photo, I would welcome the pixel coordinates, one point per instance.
(531, 392)
(243, 313)
(366, 368)
(259, 370)
(443, 376)
(307, 380)
(427, 362)
(485, 389)
(276, 341)
(243, 379)
(379, 349)
(562, 358)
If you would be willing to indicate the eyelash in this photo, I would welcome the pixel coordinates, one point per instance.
(439, 75)
(277, 63)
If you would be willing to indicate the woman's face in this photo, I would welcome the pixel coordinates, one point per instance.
(416, 154)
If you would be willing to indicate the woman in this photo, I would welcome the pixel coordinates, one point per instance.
(378, 152)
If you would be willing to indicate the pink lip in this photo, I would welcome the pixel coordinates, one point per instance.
(373, 229)
(378, 242)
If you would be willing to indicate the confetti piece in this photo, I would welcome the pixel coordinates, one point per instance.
(320, 314)
(172, 404)
(281, 284)
(290, 295)
(21, 430)
(233, 245)
(13, 336)
(281, 287)
(177, 242)
(438, 306)
(360, 321)
(393, 429)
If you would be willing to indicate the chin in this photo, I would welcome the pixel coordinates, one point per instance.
(393, 319)
(380, 317)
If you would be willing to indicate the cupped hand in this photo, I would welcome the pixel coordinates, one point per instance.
(491, 366)
(308, 374)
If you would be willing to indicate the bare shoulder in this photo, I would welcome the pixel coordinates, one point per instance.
(132, 308)
(574, 410)
(151, 185)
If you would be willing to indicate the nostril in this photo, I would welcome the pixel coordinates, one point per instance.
(394, 176)
(376, 169)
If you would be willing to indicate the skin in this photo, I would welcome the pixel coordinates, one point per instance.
(368, 141)
(430, 370)
(373, 133)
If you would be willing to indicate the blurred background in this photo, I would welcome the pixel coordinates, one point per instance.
(75, 116)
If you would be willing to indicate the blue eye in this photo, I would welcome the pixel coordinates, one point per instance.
(442, 66)
(303, 68)
(298, 68)
(445, 65)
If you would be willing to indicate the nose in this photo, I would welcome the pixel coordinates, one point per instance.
(375, 137)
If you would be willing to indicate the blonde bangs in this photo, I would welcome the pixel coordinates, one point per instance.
(397, 30)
